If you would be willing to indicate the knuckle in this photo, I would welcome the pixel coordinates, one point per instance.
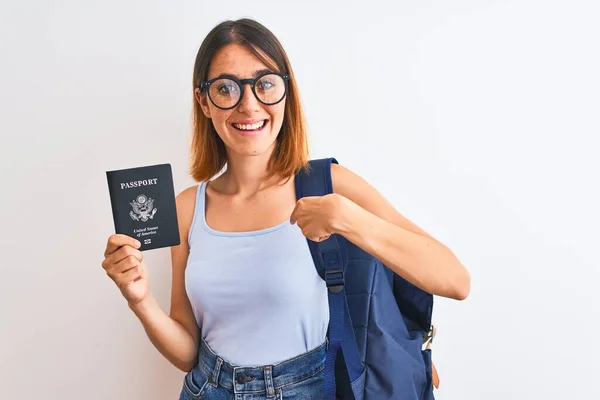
(135, 253)
(108, 267)
(132, 252)
(131, 261)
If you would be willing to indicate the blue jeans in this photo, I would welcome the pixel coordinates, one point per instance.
(213, 378)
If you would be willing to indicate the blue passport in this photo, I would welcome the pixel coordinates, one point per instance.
(143, 205)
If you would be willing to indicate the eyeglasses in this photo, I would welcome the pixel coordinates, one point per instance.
(227, 91)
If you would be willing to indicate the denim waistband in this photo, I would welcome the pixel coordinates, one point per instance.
(260, 378)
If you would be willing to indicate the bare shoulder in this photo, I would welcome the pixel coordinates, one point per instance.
(349, 184)
(354, 187)
(187, 197)
(186, 203)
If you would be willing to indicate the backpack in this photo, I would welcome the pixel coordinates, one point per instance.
(378, 321)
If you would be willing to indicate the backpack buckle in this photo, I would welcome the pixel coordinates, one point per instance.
(427, 342)
(334, 279)
(429, 336)
(334, 275)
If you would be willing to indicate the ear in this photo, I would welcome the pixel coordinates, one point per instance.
(203, 101)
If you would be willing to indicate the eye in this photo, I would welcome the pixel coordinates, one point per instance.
(266, 84)
(226, 88)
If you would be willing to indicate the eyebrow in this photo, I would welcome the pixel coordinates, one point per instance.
(256, 73)
(261, 71)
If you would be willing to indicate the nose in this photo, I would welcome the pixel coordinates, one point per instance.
(249, 102)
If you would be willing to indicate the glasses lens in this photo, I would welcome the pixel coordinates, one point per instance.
(224, 93)
(270, 88)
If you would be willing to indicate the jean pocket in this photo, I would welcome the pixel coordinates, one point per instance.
(195, 384)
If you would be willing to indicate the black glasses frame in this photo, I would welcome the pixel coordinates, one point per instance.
(205, 85)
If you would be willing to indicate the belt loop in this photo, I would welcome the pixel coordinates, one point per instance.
(214, 378)
(268, 371)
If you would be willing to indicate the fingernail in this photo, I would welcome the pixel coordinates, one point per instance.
(137, 243)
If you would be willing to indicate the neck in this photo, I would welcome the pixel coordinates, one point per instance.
(246, 175)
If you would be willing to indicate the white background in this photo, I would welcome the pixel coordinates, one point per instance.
(477, 119)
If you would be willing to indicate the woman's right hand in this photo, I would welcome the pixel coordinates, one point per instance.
(125, 265)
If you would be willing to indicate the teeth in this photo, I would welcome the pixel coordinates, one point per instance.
(246, 127)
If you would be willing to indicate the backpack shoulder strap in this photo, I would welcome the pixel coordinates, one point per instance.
(317, 182)
(331, 260)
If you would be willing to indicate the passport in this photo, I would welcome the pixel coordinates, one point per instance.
(143, 205)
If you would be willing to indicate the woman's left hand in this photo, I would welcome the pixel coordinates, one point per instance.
(319, 216)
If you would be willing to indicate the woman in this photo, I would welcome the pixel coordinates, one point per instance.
(243, 271)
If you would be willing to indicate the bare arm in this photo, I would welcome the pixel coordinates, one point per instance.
(175, 336)
(372, 223)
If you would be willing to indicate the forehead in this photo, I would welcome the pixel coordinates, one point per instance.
(235, 59)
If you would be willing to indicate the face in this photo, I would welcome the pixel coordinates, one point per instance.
(251, 127)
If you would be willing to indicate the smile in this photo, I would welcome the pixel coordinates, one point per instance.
(250, 128)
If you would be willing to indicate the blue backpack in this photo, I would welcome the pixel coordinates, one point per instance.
(377, 319)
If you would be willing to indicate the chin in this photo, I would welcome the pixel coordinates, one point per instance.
(254, 146)
(254, 150)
